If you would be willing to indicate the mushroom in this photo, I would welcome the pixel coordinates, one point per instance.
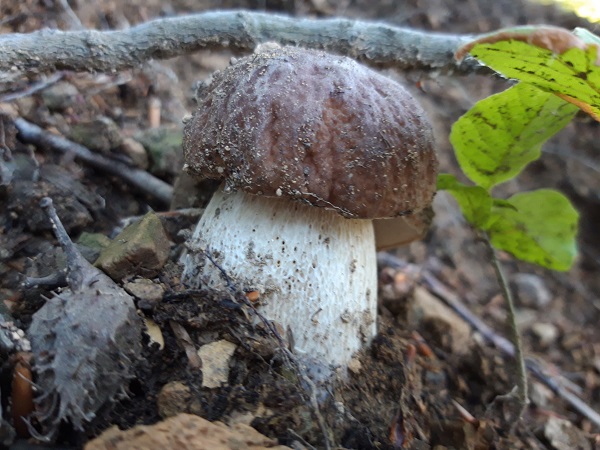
(313, 149)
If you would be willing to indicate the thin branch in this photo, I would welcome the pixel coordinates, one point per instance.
(140, 179)
(563, 392)
(35, 87)
(374, 43)
(73, 19)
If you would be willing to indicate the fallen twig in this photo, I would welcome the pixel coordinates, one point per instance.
(140, 179)
(73, 19)
(52, 281)
(558, 388)
(108, 51)
(35, 87)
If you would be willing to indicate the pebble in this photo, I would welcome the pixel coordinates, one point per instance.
(547, 333)
(146, 290)
(563, 435)
(59, 96)
(142, 248)
(530, 290)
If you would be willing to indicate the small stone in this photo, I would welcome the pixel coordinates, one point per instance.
(184, 432)
(146, 290)
(140, 249)
(91, 245)
(355, 366)
(540, 395)
(9, 109)
(443, 324)
(547, 333)
(101, 134)
(563, 435)
(215, 362)
(27, 107)
(136, 152)
(59, 96)
(173, 399)
(93, 240)
(396, 286)
(163, 145)
(530, 290)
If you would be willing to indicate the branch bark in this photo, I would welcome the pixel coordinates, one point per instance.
(376, 44)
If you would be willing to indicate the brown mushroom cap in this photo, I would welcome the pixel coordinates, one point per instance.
(314, 126)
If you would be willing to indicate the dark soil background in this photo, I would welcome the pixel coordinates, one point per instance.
(428, 379)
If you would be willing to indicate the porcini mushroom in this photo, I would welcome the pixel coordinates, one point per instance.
(311, 148)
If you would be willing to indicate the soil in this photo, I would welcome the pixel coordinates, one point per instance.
(428, 380)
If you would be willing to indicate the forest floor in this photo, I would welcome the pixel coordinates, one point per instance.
(428, 379)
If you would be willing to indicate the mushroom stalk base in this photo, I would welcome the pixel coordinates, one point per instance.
(315, 270)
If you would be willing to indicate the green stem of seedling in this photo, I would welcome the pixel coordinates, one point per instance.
(521, 394)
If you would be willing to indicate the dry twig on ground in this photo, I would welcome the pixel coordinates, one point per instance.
(140, 179)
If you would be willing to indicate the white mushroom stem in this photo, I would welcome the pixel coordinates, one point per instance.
(315, 270)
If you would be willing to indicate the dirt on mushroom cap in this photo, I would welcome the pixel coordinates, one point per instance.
(314, 126)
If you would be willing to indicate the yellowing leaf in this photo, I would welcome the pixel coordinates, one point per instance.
(555, 39)
(552, 59)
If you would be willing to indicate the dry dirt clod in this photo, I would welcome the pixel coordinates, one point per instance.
(184, 432)
(142, 248)
(173, 399)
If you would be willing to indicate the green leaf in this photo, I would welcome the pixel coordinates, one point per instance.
(503, 133)
(474, 201)
(553, 59)
(541, 229)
